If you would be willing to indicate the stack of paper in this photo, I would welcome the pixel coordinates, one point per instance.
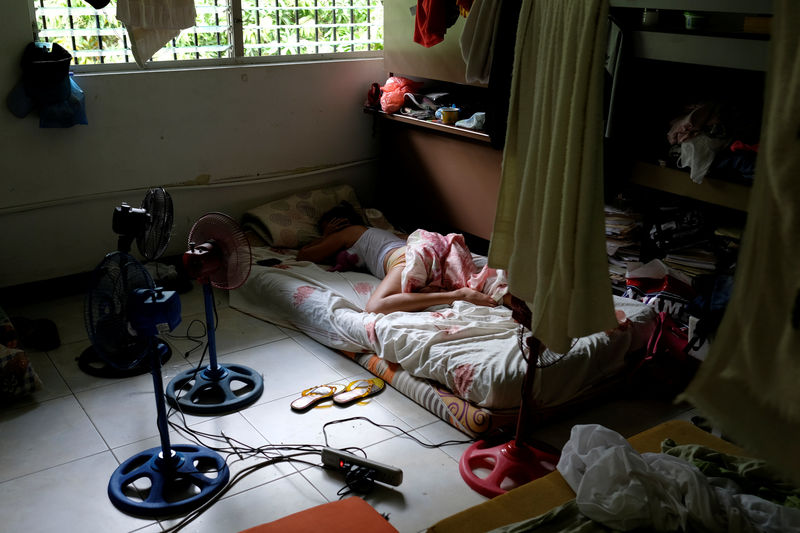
(623, 243)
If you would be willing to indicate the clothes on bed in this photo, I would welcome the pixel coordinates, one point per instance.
(445, 262)
(373, 247)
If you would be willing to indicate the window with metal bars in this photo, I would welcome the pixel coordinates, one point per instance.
(226, 30)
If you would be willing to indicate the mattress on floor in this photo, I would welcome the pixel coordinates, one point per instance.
(461, 362)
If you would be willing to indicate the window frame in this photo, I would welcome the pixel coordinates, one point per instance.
(237, 59)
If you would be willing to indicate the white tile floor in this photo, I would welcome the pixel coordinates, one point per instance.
(60, 446)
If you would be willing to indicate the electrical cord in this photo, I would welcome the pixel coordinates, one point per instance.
(358, 479)
(389, 426)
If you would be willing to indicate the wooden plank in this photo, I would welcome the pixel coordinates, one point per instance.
(713, 191)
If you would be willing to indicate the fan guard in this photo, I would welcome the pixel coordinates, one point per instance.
(229, 248)
(154, 240)
(106, 310)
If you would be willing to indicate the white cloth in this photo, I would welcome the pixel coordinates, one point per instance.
(623, 490)
(477, 40)
(698, 154)
(549, 226)
(748, 384)
(153, 23)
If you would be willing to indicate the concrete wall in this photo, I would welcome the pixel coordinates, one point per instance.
(225, 138)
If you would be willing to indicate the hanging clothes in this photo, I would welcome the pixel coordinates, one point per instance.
(477, 40)
(500, 77)
(153, 23)
(549, 226)
(748, 385)
(432, 18)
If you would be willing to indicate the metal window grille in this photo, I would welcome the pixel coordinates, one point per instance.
(293, 27)
(268, 28)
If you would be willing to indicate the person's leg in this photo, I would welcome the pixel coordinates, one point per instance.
(388, 296)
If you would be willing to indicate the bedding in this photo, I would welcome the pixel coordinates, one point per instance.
(292, 221)
(462, 362)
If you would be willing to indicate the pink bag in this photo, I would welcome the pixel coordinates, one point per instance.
(393, 93)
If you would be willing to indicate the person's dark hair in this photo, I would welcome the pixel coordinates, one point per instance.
(343, 210)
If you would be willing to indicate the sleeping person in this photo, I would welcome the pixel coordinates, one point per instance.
(405, 285)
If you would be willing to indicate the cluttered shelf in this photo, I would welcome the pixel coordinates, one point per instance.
(434, 124)
(714, 191)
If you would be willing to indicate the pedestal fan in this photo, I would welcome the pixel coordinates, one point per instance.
(125, 313)
(218, 256)
(150, 226)
(516, 462)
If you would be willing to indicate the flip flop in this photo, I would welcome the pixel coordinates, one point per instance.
(358, 390)
(313, 396)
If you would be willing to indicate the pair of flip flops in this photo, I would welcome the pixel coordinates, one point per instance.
(353, 392)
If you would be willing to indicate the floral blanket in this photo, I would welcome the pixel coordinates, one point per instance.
(474, 351)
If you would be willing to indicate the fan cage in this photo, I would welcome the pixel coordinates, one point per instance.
(227, 237)
(106, 310)
(152, 243)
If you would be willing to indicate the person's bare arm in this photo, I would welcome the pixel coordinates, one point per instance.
(388, 297)
(329, 245)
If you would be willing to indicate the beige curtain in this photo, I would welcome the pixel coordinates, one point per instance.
(549, 228)
(750, 383)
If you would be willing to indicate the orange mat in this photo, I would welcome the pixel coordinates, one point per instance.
(342, 516)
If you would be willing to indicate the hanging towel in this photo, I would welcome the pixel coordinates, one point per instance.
(153, 23)
(549, 227)
(748, 385)
(477, 40)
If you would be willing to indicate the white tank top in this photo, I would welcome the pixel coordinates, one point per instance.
(372, 247)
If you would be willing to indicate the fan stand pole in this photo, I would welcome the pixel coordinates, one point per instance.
(181, 477)
(214, 371)
(210, 391)
(167, 455)
(516, 462)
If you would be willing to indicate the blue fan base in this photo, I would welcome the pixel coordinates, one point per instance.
(179, 484)
(212, 391)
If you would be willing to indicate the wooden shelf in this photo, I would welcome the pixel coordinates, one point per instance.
(728, 52)
(435, 125)
(714, 191)
(721, 6)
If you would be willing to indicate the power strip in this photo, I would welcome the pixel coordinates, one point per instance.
(344, 461)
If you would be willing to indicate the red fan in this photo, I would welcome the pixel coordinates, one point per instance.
(218, 253)
(218, 256)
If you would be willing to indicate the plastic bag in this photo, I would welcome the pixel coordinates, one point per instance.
(393, 92)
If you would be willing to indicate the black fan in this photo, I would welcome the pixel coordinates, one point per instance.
(153, 241)
(218, 256)
(125, 312)
(150, 226)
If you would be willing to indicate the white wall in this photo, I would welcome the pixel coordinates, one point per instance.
(224, 139)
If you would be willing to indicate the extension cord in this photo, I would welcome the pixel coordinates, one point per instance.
(343, 461)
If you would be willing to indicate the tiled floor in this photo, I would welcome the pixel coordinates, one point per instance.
(60, 447)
